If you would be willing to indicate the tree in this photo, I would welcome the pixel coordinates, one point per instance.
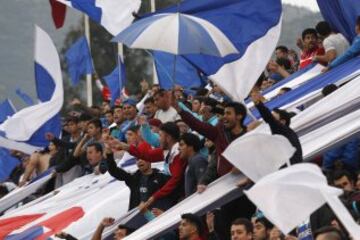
(138, 62)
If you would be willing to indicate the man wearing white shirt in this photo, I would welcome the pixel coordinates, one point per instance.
(335, 44)
(165, 113)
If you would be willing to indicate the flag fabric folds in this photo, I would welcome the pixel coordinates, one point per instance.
(186, 75)
(24, 96)
(341, 15)
(6, 109)
(7, 163)
(79, 61)
(300, 183)
(258, 160)
(253, 32)
(116, 80)
(23, 124)
(114, 16)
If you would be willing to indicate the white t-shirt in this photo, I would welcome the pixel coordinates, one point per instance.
(169, 115)
(336, 42)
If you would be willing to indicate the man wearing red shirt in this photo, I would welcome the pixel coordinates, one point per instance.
(174, 166)
(310, 47)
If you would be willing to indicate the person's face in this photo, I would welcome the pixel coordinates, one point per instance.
(357, 29)
(186, 230)
(72, 127)
(208, 143)
(182, 127)
(93, 156)
(120, 233)
(259, 231)
(344, 183)
(92, 131)
(178, 95)
(83, 125)
(129, 112)
(205, 111)
(105, 106)
(310, 41)
(118, 115)
(143, 166)
(52, 147)
(161, 101)
(196, 105)
(109, 117)
(358, 182)
(280, 54)
(132, 137)
(150, 109)
(154, 129)
(238, 232)
(230, 119)
(275, 234)
(184, 150)
(164, 139)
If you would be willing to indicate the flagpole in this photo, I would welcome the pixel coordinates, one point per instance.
(155, 79)
(121, 60)
(88, 76)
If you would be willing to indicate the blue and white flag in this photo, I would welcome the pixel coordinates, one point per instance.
(115, 16)
(186, 75)
(24, 96)
(116, 80)
(254, 32)
(79, 62)
(22, 125)
(7, 163)
(7, 109)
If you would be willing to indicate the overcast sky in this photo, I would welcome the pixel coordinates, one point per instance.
(312, 4)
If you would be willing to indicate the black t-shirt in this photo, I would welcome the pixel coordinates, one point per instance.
(143, 188)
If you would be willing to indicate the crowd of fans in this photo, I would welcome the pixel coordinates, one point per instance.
(188, 130)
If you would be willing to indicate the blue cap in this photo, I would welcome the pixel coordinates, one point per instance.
(130, 101)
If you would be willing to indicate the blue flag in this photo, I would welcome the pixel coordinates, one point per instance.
(7, 164)
(6, 110)
(341, 15)
(186, 75)
(25, 97)
(79, 60)
(116, 80)
(45, 84)
(241, 27)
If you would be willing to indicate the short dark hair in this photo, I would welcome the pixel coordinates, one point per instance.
(282, 48)
(284, 115)
(72, 119)
(307, 32)
(161, 92)
(239, 109)
(195, 220)
(328, 89)
(211, 102)
(202, 92)
(84, 117)
(286, 89)
(264, 221)
(172, 129)
(96, 122)
(149, 100)
(323, 28)
(128, 230)
(245, 222)
(336, 233)
(134, 128)
(284, 62)
(192, 140)
(109, 111)
(341, 173)
(98, 147)
(116, 106)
